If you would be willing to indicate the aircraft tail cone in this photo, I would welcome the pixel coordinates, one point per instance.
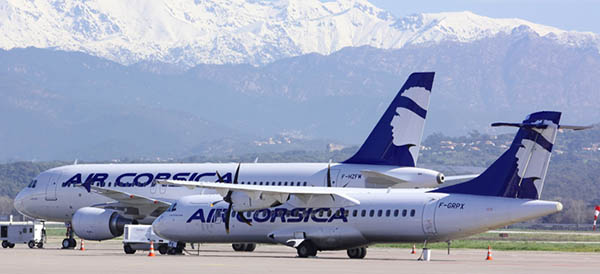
(82, 247)
(151, 254)
(413, 250)
(489, 254)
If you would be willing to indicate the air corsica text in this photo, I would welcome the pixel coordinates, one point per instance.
(284, 215)
(139, 180)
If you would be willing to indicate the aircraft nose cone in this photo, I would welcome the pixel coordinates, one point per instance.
(19, 202)
(158, 225)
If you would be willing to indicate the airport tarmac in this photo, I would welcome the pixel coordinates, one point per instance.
(108, 257)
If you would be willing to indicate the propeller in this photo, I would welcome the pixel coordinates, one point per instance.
(227, 199)
(329, 178)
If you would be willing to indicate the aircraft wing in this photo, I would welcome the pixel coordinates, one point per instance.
(298, 196)
(131, 204)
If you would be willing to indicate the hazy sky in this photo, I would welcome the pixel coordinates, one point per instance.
(580, 15)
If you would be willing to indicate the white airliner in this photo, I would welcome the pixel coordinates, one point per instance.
(115, 194)
(321, 218)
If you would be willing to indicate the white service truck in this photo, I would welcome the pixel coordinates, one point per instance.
(31, 233)
(138, 237)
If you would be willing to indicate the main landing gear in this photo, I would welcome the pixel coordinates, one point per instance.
(243, 247)
(357, 253)
(306, 249)
(69, 242)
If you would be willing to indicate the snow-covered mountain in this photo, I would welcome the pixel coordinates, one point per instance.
(240, 31)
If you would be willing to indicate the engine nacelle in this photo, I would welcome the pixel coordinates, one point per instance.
(242, 202)
(98, 224)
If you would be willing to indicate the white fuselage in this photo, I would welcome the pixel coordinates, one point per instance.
(384, 215)
(57, 193)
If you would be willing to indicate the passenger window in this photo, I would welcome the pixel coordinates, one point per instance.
(379, 212)
(305, 183)
(249, 214)
(30, 230)
(395, 213)
(329, 213)
(254, 183)
(363, 213)
(412, 213)
(387, 213)
(279, 183)
(371, 213)
(354, 213)
(404, 213)
(285, 183)
(260, 183)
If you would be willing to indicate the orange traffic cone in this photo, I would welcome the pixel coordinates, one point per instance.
(151, 254)
(82, 248)
(489, 254)
(413, 250)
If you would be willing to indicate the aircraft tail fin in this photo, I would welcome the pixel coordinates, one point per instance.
(396, 139)
(521, 170)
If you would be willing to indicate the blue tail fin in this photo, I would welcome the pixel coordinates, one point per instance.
(396, 139)
(521, 170)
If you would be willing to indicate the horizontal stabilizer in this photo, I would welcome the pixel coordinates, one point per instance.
(459, 178)
(381, 179)
(574, 127)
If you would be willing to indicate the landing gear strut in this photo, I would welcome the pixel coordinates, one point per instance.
(357, 253)
(69, 242)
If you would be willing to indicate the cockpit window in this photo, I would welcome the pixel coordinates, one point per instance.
(172, 208)
(32, 184)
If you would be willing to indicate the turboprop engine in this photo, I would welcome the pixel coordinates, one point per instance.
(98, 224)
(242, 202)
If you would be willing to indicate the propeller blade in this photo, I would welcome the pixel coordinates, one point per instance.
(329, 175)
(237, 172)
(214, 203)
(220, 178)
(227, 217)
(244, 218)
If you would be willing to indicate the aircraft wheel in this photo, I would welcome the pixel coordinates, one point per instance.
(128, 250)
(163, 249)
(65, 243)
(250, 247)
(306, 249)
(40, 245)
(354, 253)
(363, 252)
(4, 244)
(72, 243)
(11, 245)
(238, 247)
(31, 244)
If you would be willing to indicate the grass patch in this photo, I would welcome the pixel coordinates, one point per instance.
(508, 245)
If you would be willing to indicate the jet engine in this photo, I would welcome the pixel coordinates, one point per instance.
(99, 224)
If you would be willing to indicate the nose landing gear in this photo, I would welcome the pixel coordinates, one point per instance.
(69, 242)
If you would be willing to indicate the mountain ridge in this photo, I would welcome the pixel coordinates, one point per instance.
(242, 31)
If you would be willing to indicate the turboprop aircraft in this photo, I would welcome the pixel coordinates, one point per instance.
(95, 201)
(321, 218)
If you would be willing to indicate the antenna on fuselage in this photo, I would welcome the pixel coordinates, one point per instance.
(75, 162)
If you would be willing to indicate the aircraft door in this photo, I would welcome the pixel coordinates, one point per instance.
(51, 187)
(429, 217)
